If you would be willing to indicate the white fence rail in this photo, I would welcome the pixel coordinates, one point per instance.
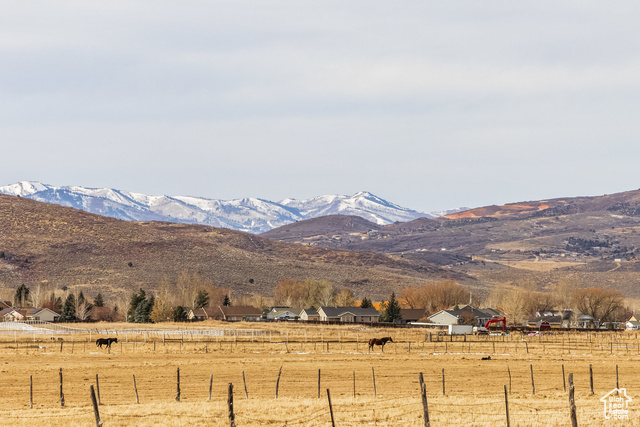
(37, 327)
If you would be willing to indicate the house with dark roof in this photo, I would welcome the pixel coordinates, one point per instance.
(555, 319)
(203, 313)
(309, 314)
(461, 315)
(10, 315)
(283, 313)
(411, 315)
(348, 314)
(553, 322)
(16, 315)
(240, 313)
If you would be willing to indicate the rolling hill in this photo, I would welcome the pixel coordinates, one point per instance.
(592, 241)
(61, 246)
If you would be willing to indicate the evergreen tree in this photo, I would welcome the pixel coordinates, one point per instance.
(179, 315)
(366, 303)
(391, 311)
(226, 302)
(21, 298)
(69, 308)
(142, 313)
(202, 299)
(98, 301)
(136, 299)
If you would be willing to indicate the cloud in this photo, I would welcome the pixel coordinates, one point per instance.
(342, 95)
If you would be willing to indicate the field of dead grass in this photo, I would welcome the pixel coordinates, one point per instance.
(473, 389)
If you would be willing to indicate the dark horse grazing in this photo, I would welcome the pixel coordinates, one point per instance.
(105, 341)
(379, 341)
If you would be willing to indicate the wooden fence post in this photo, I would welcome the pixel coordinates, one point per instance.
(232, 416)
(94, 402)
(61, 393)
(333, 423)
(135, 388)
(533, 384)
(509, 371)
(318, 383)
(354, 383)
(373, 372)
(443, 390)
(572, 402)
(617, 383)
(178, 384)
(278, 382)
(31, 391)
(425, 406)
(591, 378)
(244, 380)
(506, 404)
(210, 386)
(564, 383)
(98, 390)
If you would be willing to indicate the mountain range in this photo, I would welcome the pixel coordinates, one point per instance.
(53, 247)
(251, 215)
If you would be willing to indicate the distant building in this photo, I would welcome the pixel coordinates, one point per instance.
(348, 314)
(633, 324)
(204, 313)
(410, 315)
(240, 313)
(16, 315)
(283, 313)
(309, 314)
(457, 316)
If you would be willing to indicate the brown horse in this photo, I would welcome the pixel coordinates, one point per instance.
(379, 341)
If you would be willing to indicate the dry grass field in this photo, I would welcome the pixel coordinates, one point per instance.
(473, 390)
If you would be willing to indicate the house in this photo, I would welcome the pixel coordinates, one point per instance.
(309, 314)
(240, 313)
(585, 321)
(552, 322)
(348, 314)
(410, 315)
(42, 314)
(5, 304)
(283, 313)
(17, 315)
(11, 315)
(203, 313)
(633, 324)
(459, 315)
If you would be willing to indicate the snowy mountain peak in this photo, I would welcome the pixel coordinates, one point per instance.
(23, 188)
(252, 215)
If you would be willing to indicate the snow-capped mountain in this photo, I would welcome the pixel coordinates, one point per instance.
(249, 214)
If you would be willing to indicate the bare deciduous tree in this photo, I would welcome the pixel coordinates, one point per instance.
(601, 304)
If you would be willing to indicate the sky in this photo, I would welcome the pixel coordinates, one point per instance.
(430, 105)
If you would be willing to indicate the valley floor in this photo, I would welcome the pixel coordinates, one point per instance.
(473, 395)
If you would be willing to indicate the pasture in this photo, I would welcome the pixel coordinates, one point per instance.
(250, 355)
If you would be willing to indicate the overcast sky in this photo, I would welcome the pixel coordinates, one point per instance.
(430, 105)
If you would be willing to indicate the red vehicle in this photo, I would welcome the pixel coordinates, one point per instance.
(502, 320)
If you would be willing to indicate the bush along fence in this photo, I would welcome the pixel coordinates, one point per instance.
(429, 404)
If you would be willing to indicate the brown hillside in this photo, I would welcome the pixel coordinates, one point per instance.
(45, 243)
(590, 241)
